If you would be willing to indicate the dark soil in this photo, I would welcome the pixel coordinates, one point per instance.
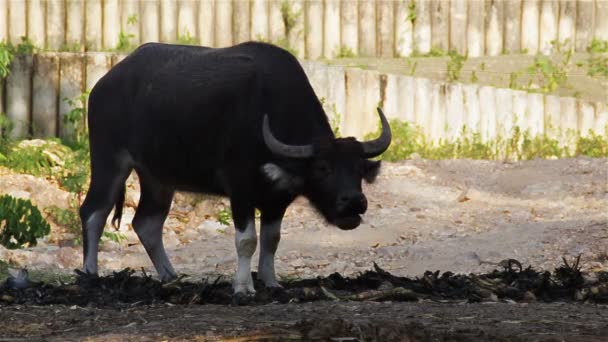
(514, 303)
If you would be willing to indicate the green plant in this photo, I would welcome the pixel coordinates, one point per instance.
(26, 47)
(6, 57)
(548, 74)
(598, 66)
(74, 120)
(594, 145)
(224, 216)
(67, 218)
(455, 65)
(21, 223)
(187, 39)
(30, 160)
(474, 77)
(124, 39)
(345, 52)
(598, 46)
(411, 15)
(290, 17)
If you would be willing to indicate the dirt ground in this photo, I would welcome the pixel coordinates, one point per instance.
(459, 215)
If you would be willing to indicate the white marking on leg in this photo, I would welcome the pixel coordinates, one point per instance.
(150, 232)
(246, 243)
(270, 235)
(93, 227)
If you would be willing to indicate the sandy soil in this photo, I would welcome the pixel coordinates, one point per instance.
(459, 215)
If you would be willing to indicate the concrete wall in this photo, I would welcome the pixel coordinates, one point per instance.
(384, 28)
(37, 86)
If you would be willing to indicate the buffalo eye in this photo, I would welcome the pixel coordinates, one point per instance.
(322, 169)
(370, 170)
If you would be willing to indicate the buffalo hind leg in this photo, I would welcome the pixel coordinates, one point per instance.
(270, 235)
(103, 193)
(148, 222)
(246, 243)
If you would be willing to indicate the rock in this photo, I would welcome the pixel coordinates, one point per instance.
(20, 194)
(529, 297)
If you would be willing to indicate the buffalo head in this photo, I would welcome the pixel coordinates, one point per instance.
(329, 172)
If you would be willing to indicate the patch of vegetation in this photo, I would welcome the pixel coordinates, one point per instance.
(411, 14)
(224, 217)
(345, 52)
(409, 140)
(187, 39)
(598, 66)
(8, 52)
(290, 17)
(455, 65)
(74, 121)
(545, 75)
(21, 223)
(598, 46)
(124, 39)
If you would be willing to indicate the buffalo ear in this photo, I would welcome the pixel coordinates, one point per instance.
(371, 169)
(281, 179)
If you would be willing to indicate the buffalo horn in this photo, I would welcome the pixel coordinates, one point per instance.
(281, 149)
(377, 146)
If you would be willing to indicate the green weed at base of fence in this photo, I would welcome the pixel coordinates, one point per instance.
(21, 223)
(409, 140)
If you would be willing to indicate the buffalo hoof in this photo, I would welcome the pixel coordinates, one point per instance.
(243, 298)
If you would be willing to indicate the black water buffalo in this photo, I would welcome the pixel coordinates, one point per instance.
(242, 122)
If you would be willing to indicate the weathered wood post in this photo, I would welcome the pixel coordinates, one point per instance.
(94, 29)
(276, 28)
(242, 21)
(471, 108)
(259, 19)
(548, 25)
(223, 23)
(569, 122)
(16, 22)
(349, 26)
(3, 20)
(567, 23)
(355, 90)
(475, 29)
(552, 117)
(585, 24)
(331, 28)
(45, 88)
(422, 27)
(74, 29)
(529, 24)
(403, 29)
(186, 19)
(314, 31)
(435, 123)
(111, 24)
(586, 117)
(149, 21)
(168, 21)
(455, 113)
(336, 92)
(71, 77)
(296, 34)
(494, 23)
(367, 28)
(18, 95)
(487, 101)
(512, 32)
(35, 22)
(601, 23)
(206, 22)
(422, 106)
(535, 114)
(440, 24)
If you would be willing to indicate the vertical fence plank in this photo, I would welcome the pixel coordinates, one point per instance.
(458, 26)
(440, 24)
(601, 23)
(295, 36)
(567, 23)
(355, 92)
(16, 22)
(317, 74)
(487, 101)
(111, 24)
(206, 22)
(276, 28)
(403, 29)
(186, 19)
(18, 95)
(455, 118)
(586, 117)
(74, 29)
(336, 93)
(369, 116)
(406, 101)
(585, 24)
(390, 97)
(314, 31)
(504, 113)
(35, 22)
(93, 15)
(3, 22)
(601, 118)
(367, 28)
(568, 121)
(475, 29)
(55, 25)
(70, 86)
(349, 26)
(552, 117)
(149, 21)
(386, 29)
(223, 23)
(520, 103)
(45, 83)
(422, 27)
(471, 108)
(130, 20)
(422, 106)
(529, 23)
(259, 19)
(97, 65)
(331, 28)
(494, 27)
(242, 21)
(512, 32)
(168, 21)
(435, 123)
(535, 114)
(548, 25)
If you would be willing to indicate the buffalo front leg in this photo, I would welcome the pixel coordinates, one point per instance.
(270, 235)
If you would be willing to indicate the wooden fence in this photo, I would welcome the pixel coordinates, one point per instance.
(312, 28)
(37, 86)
